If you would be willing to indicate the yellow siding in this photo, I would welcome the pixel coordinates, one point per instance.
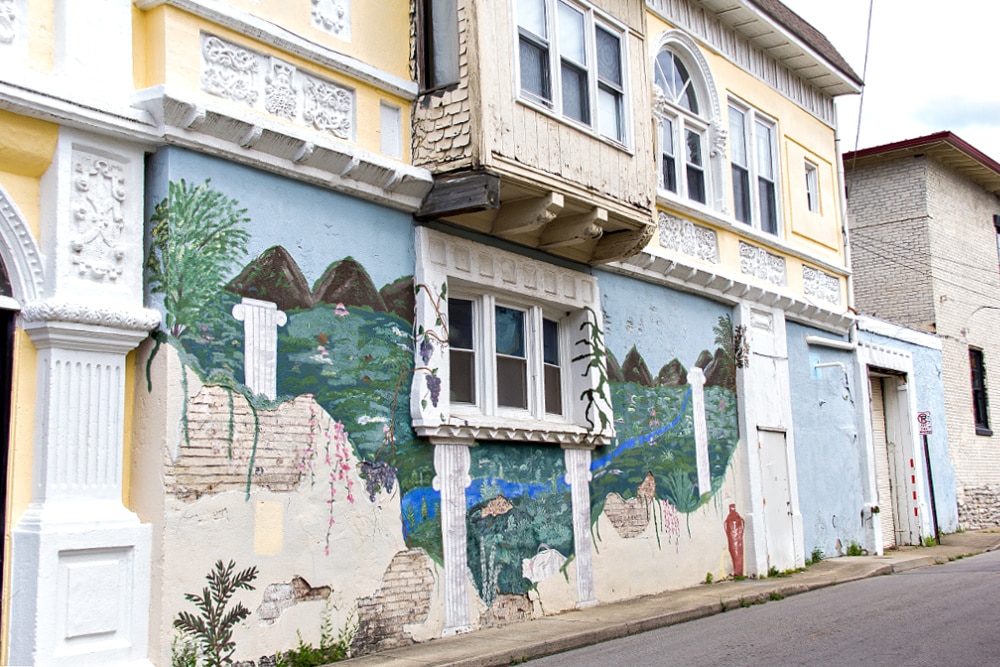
(41, 34)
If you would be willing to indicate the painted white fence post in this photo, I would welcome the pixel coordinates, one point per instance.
(578, 477)
(696, 377)
(261, 320)
(451, 468)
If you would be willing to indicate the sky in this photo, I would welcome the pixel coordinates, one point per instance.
(932, 66)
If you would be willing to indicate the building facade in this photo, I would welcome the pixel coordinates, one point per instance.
(414, 318)
(923, 215)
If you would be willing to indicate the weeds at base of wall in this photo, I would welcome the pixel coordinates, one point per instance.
(855, 549)
(815, 557)
(709, 577)
(330, 649)
(930, 541)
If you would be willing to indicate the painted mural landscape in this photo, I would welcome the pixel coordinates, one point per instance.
(348, 345)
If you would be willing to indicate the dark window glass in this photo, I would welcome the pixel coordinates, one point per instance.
(768, 206)
(535, 70)
(979, 397)
(440, 24)
(575, 100)
(553, 375)
(741, 194)
(512, 363)
(462, 354)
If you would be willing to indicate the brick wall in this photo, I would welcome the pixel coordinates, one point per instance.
(404, 598)
(887, 213)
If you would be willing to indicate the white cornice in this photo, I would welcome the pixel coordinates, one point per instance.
(249, 138)
(726, 289)
(898, 332)
(268, 33)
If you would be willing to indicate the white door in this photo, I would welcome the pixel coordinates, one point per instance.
(778, 526)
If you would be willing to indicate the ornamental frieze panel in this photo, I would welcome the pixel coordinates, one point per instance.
(98, 205)
(275, 87)
(821, 285)
(759, 263)
(333, 16)
(685, 237)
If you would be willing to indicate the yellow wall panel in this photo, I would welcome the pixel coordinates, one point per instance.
(41, 34)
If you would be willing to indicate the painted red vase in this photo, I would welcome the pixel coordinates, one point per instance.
(734, 534)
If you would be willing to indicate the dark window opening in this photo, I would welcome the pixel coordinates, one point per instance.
(980, 403)
(439, 43)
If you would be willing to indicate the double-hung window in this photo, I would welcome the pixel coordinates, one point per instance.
(753, 157)
(980, 405)
(812, 187)
(683, 131)
(506, 358)
(571, 60)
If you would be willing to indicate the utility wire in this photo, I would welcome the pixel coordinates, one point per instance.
(864, 76)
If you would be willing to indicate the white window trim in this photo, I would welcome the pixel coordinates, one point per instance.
(813, 203)
(461, 268)
(751, 117)
(592, 19)
(717, 196)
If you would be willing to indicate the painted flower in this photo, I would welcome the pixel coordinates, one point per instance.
(340, 310)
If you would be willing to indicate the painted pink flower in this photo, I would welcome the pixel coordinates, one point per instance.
(340, 310)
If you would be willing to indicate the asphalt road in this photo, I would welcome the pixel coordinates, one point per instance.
(942, 616)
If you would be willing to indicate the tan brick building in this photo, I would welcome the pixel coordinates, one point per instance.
(924, 221)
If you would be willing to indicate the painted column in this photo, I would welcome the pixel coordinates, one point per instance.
(451, 468)
(578, 477)
(696, 377)
(80, 558)
(261, 320)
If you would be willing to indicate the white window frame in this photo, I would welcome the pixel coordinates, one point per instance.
(812, 186)
(680, 125)
(449, 268)
(752, 120)
(487, 401)
(593, 20)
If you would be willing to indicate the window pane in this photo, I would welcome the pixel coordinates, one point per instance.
(693, 147)
(462, 376)
(550, 342)
(510, 331)
(553, 390)
(669, 173)
(534, 70)
(460, 334)
(609, 111)
(741, 194)
(768, 206)
(737, 137)
(696, 184)
(669, 169)
(980, 402)
(571, 41)
(441, 43)
(765, 161)
(673, 79)
(531, 16)
(512, 383)
(609, 57)
(812, 188)
(574, 91)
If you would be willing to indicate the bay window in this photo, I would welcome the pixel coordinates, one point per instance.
(571, 60)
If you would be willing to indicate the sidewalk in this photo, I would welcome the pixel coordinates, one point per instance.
(553, 634)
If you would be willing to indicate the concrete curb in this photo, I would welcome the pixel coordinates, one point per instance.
(513, 644)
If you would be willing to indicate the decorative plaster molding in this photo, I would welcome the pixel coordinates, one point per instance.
(98, 203)
(728, 288)
(8, 22)
(549, 434)
(221, 12)
(235, 73)
(899, 332)
(451, 478)
(144, 319)
(20, 253)
(270, 143)
(333, 16)
(821, 285)
(578, 477)
(682, 235)
(761, 264)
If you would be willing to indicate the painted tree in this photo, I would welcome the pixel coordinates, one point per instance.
(197, 235)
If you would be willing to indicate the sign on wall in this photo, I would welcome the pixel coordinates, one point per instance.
(924, 421)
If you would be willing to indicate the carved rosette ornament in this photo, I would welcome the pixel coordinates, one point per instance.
(228, 70)
(685, 237)
(761, 264)
(821, 285)
(332, 16)
(8, 21)
(98, 213)
(328, 108)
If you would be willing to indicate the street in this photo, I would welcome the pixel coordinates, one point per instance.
(943, 615)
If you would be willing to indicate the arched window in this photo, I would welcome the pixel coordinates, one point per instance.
(691, 141)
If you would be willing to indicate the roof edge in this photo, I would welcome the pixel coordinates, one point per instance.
(946, 136)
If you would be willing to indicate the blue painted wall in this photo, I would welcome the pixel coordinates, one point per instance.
(828, 453)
